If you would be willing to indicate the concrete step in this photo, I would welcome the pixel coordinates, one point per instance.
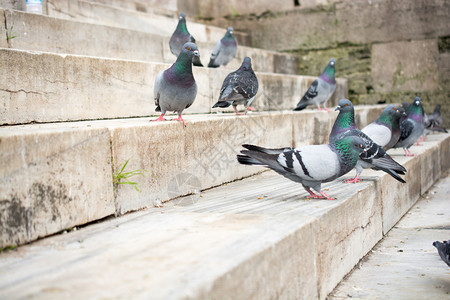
(255, 238)
(41, 33)
(48, 87)
(152, 20)
(55, 176)
(405, 265)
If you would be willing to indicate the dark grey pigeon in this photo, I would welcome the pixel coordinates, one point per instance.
(374, 157)
(320, 90)
(412, 127)
(224, 50)
(385, 131)
(433, 122)
(175, 88)
(239, 87)
(443, 250)
(180, 37)
(309, 165)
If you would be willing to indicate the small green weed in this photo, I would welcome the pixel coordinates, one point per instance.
(10, 35)
(122, 177)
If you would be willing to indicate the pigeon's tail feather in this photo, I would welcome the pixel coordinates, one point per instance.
(266, 150)
(247, 160)
(196, 61)
(212, 64)
(222, 104)
(301, 105)
(394, 174)
(387, 162)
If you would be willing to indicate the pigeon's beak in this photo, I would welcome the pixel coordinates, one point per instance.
(337, 108)
(196, 53)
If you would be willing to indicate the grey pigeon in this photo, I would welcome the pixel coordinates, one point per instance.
(412, 127)
(239, 87)
(443, 250)
(374, 157)
(175, 88)
(433, 122)
(180, 37)
(309, 165)
(224, 50)
(320, 90)
(385, 131)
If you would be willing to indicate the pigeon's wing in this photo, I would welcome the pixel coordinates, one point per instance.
(247, 84)
(406, 128)
(215, 52)
(309, 96)
(156, 89)
(191, 39)
(308, 162)
(267, 150)
(443, 250)
(378, 133)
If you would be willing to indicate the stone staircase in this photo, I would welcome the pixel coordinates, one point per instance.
(77, 91)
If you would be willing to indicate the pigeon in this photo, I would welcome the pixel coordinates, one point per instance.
(180, 37)
(320, 90)
(239, 87)
(175, 88)
(374, 157)
(443, 250)
(433, 122)
(224, 50)
(412, 127)
(309, 165)
(385, 131)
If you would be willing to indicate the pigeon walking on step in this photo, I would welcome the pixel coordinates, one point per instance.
(224, 50)
(433, 122)
(443, 250)
(175, 88)
(412, 127)
(385, 131)
(309, 165)
(320, 90)
(239, 87)
(180, 37)
(374, 157)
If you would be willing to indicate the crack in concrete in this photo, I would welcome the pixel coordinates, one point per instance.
(20, 90)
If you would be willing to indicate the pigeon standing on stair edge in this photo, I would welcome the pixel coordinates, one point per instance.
(175, 88)
(224, 50)
(239, 87)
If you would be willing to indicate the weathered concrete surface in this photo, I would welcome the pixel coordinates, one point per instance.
(345, 22)
(405, 66)
(201, 156)
(197, 157)
(255, 238)
(51, 180)
(210, 9)
(405, 265)
(3, 32)
(56, 87)
(143, 6)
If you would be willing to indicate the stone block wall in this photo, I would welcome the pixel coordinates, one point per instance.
(389, 50)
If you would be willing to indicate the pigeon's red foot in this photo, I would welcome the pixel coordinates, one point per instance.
(180, 119)
(251, 108)
(326, 108)
(326, 196)
(238, 113)
(408, 153)
(354, 180)
(161, 118)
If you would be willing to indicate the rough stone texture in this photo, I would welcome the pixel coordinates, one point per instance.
(52, 180)
(165, 6)
(194, 158)
(3, 31)
(81, 88)
(346, 234)
(41, 33)
(258, 237)
(210, 9)
(405, 66)
(391, 270)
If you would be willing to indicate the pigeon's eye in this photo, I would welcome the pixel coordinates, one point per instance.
(394, 108)
(189, 48)
(346, 105)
